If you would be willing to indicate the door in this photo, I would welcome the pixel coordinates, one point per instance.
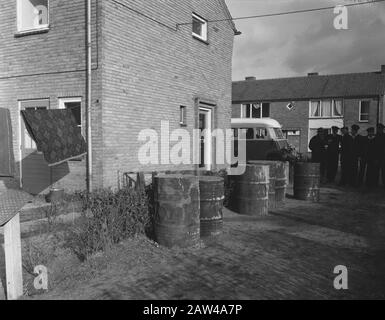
(35, 175)
(205, 127)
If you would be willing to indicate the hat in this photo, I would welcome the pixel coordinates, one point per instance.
(355, 127)
(381, 125)
(335, 128)
(320, 130)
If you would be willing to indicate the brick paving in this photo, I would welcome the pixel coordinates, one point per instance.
(290, 254)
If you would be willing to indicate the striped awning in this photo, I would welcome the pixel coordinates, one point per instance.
(56, 134)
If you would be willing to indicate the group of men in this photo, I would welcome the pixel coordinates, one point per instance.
(362, 157)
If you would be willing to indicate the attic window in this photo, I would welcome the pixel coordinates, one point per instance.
(199, 27)
(32, 15)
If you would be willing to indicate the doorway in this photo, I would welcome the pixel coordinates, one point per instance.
(205, 128)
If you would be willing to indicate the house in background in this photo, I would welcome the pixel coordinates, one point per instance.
(304, 104)
(151, 61)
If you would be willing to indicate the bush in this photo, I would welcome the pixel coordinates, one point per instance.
(108, 218)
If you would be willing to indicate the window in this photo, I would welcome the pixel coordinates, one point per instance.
(326, 108)
(75, 105)
(32, 15)
(290, 106)
(199, 27)
(255, 110)
(182, 119)
(337, 108)
(364, 111)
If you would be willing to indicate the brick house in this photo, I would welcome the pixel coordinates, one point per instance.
(151, 61)
(304, 104)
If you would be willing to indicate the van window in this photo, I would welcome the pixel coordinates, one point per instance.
(278, 133)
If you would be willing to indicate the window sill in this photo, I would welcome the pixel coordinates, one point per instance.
(19, 34)
(200, 39)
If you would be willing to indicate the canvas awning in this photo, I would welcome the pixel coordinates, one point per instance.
(7, 159)
(56, 134)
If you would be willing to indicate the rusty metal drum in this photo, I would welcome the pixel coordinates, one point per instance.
(212, 196)
(307, 181)
(272, 176)
(177, 207)
(280, 182)
(251, 191)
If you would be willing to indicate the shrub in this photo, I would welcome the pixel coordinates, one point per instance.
(108, 218)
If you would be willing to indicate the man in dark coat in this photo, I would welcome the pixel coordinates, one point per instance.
(370, 157)
(317, 146)
(333, 151)
(358, 161)
(346, 156)
(380, 148)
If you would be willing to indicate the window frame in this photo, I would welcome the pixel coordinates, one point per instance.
(321, 105)
(247, 107)
(63, 101)
(41, 28)
(205, 29)
(183, 116)
(360, 113)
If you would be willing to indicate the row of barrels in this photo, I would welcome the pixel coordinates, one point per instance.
(190, 207)
(187, 208)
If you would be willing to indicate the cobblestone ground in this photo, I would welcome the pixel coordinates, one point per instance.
(290, 254)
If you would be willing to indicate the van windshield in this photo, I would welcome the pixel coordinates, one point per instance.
(278, 133)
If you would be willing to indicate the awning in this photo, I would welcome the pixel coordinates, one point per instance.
(7, 159)
(56, 134)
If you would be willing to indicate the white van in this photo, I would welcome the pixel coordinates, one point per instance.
(263, 137)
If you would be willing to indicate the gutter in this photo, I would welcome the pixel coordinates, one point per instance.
(89, 97)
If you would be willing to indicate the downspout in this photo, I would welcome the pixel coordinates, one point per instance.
(89, 98)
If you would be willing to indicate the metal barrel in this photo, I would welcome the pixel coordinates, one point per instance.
(251, 191)
(272, 179)
(281, 184)
(212, 196)
(307, 181)
(176, 221)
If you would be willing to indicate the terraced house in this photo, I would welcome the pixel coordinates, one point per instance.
(125, 66)
(304, 104)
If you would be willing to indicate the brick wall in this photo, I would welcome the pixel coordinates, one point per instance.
(48, 65)
(151, 69)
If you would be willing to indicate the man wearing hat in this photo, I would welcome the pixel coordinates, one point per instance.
(346, 156)
(370, 157)
(317, 146)
(333, 151)
(358, 162)
(380, 148)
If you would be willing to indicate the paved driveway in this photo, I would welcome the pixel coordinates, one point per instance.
(289, 255)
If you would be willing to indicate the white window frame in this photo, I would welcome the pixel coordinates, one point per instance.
(63, 101)
(19, 20)
(205, 28)
(244, 107)
(360, 111)
(183, 116)
(321, 102)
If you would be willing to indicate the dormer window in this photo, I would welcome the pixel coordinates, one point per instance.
(199, 27)
(32, 15)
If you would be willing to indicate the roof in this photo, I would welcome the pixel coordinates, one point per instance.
(229, 16)
(253, 123)
(315, 86)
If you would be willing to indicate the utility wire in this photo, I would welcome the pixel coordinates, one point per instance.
(287, 12)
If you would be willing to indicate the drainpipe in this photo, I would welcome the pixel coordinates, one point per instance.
(89, 98)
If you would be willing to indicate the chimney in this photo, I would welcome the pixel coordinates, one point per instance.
(250, 78)
(383, 68)
(312, 74)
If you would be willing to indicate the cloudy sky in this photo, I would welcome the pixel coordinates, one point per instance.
(296, 44)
